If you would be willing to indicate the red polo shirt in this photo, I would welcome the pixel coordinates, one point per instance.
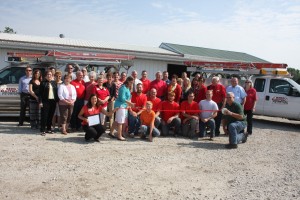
(160, 86)
(139, 100)
(177, 90)
(168, 109)
(156, 102)
(190, 109)
(200, 94)
(90, 111)
(101, 93)
(219, 92)
(79, 87)
(146, 85)
(250, 98)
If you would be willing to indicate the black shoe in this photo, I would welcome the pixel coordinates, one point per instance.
(97, 140)
(245, 138)
(20, 124)
(231, 146)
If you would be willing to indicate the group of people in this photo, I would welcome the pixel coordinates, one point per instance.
(133, 106)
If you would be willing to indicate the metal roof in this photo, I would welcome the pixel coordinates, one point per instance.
(206, 54)
(53, 42)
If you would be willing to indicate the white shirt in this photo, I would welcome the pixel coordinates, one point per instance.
(207, 105)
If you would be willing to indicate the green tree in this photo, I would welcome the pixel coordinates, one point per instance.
(295, 73)
(7, 29)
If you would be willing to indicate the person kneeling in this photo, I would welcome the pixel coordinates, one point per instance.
(92, 108)
(233, 122)
(147, 118)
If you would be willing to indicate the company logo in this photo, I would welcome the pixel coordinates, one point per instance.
(280, 100)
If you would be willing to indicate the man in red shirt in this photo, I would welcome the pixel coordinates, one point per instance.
(159, 85)
(139, 99)
(146, 82)
(79, 85)
(219, 94)
(103, 95)
(189, 116)
(155, 105)
(169, 111)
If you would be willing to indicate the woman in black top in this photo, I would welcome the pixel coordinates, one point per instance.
(34, 90)
(47, 99)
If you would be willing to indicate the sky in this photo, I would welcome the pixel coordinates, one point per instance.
(268, 29)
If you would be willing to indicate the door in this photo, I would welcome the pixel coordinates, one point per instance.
(177, 69)
(277, 101)
(260, 85)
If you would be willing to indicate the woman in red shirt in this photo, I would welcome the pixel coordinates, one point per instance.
(199, 89)
(250, 104)
(175, 87)
(90, 109)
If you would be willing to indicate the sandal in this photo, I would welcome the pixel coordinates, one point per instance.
(111, 135)
(43, 133)
(64, 132)
(121, 139)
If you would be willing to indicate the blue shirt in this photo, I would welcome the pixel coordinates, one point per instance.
(238, 91)
(123, 96)
(24, 84)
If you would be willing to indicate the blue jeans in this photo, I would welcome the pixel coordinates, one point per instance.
(133, 124)
(202, 126)
(235, 134)
(145, 130)
(176, 123)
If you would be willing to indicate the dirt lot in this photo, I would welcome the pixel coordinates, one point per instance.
(66, 167)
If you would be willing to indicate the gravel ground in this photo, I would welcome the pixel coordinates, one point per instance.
(66, 167)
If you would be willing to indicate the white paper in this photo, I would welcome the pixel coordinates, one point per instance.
(224, 110)
(94, 120)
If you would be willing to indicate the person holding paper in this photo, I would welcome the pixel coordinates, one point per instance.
(89, 115)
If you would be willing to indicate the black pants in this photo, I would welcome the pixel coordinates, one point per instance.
(75, 122)
(249, 114)
(47, 113)
(93, 131)
(23, 105)
(218, 120)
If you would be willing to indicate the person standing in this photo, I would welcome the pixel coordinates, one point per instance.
(200, 91)
(67, 96)
(146, 82)
(103, 96)
(219, 94)
(209, 110)
(89, 86)
(186, 88)
(238, 91)
(189, 116)
(56, 116)
(136, 81)
(166, 77)
(111, 87)
(250, 104)
(34, 89)
(233, 121)
(24, 93)
(122, 102)
(79, 85)
(123, 77)
(176, 88)
(47, 102)
(117, 82)
(69, 71)
(159, 85)
(86, 78)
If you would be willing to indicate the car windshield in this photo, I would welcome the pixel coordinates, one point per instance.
(11, 75)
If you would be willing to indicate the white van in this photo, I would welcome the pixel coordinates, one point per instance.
(277, 97)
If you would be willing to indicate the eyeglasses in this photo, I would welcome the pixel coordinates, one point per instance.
(70, 68)
(28, 70)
